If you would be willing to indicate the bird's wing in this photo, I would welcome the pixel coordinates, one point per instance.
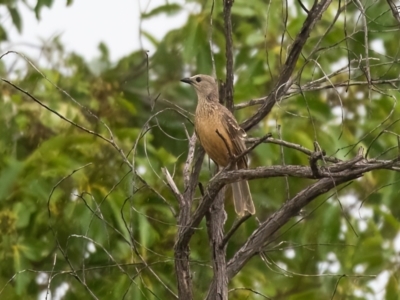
(236, 134)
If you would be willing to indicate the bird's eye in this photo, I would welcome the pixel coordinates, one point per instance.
(198, 79)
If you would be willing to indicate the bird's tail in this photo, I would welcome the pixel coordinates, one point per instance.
(242, 198)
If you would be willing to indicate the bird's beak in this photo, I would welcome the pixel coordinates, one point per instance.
(187, 80)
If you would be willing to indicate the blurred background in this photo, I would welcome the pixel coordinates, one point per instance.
(76, 224)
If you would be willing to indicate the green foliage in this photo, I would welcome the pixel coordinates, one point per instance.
(12, 7)
(72, 213)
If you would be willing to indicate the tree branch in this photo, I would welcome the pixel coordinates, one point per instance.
(215, 226)
(181, 250)
(331, 175)
(284, 82)
(394, 9)
(229, 54)
(261, 236)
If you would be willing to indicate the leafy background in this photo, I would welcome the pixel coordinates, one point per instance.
(72, 216)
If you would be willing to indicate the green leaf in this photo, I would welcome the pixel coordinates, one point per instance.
(33, 249)
(40, 4)
(16, 18)
(169, 9)
(23, 212)
(20, 264)
(150, 37)
(243, 11)
(145, 229)
(8, 177)
(105, 52)
(393, 288)
(3, 34)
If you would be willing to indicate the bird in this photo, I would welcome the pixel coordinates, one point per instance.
(221, 136)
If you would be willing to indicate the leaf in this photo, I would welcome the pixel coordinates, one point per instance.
(8, 177)
(151, 38)
(33, 249)
(16, 18)
(105, 52)
(3, 34)
(255, 38)
(169, 9)
(40, 4)
(23, 211)
(243, 11)
(20, 264)
(190, 48)
(392, 288)
(145, 230)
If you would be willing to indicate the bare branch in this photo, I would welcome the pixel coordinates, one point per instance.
(291, 208)
(229, 54)
(215, 226)
(181, 249)
(394, 9)
(292, 146)
(172, 186)
(284, 81)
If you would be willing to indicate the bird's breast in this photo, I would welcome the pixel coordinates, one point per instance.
(213, 135)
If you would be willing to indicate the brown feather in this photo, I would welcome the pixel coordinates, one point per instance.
(211, 117)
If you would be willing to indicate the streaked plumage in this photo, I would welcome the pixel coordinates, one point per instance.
(212, 116)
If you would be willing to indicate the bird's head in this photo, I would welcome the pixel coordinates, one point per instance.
(205, 86)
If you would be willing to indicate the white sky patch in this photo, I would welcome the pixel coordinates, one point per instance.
(362, 225)
(351, 204)
(61, 291)
(141, 170)
(43, 295)
(396, 243)
(235, 78)
(384, 208)
(91, 247)
(116, 25)
(290, 253)
(378, 285)
(358, 293)
(357, 19)
(293, 10)
(378, 46)
(331, 265)
(74, 195)
(360, 95)
(334, 263)
(361, 110)
(161, 24)
(42, 278)
(362, 214)
(359, 269)
(322, 267)
(365, 212)
(341, 63)
(337, 112)
(271, 123)
(282, 265)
